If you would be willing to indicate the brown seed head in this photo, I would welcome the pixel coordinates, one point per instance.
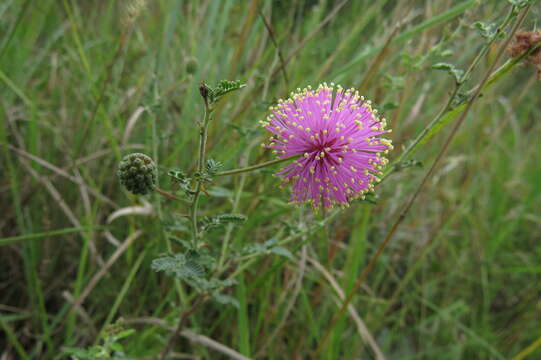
(524, 41)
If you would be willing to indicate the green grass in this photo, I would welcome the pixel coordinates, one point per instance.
(460, 278)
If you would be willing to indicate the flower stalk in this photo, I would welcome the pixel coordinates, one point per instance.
(256, 166)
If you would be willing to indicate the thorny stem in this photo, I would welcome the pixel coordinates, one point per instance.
(449, 105)
(420, 187)
(255, 167)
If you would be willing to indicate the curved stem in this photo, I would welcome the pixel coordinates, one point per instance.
(255, 167)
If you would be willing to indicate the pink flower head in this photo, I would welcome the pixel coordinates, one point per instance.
(338, 140)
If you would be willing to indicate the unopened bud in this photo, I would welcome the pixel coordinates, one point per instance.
(191, 65)
(138, 173)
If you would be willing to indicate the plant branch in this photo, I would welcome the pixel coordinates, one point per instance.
(169, 195)
(203, 128)
(449, 105)
(255, 167)
(411, 201)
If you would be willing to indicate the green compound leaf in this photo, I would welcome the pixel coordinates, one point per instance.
(488, 31)
(211, 223)
(225, 300)
(182, 266)
(182, 180)
(224, 87)
(213, 166)
(451, 69)
(192, 267)
(268, 247)
(206, 176)
(231, 218)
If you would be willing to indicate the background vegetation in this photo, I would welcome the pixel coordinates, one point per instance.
(84, 82)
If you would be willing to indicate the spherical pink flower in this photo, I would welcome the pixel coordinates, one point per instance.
(336, 133)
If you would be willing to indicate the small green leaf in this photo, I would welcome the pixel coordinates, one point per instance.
(486, 30)
(451, 69)
(394, 82)
(232, 218)
(213, 166)
(179, 265)
(412, 62)
(182, 180)
(124, 334)
(268, 247)
(520, 4)
(117, 347)
(278, 250)
(222, 220)
(225, 300)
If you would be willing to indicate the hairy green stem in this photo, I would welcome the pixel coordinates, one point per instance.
(255, 167)
(203, 129)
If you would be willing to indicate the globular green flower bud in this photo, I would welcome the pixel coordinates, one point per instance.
(191, 65)
(138, 173)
